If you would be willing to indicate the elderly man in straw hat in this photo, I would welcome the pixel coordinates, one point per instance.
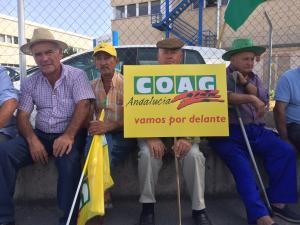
(246, 91)
(62, 96)
(152, 151)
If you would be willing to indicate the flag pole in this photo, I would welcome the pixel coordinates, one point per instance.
(178, 185)
(78, 187)
(219, 43)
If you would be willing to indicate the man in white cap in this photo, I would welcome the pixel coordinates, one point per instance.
(62, 96)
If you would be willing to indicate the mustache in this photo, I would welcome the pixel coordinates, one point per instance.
(104, 67)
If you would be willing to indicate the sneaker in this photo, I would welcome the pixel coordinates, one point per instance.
(286, 214)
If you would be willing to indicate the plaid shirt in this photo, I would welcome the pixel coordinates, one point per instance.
(55, 106)
(112, 103)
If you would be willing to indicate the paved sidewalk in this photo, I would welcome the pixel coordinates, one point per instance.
(222, 211)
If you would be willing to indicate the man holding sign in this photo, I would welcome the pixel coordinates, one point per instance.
(152, 151)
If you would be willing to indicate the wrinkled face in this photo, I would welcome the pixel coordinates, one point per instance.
(169, 56)
(47, 56)
(243, 61)
(105, 63)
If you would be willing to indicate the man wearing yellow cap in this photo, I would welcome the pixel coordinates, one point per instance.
(108, 90)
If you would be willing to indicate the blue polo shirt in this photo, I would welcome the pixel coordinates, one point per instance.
(288, 91)
(7, 91)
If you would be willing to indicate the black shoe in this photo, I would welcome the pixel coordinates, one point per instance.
(147, 218)
(286, 214)
(9, 223)
(201, 219)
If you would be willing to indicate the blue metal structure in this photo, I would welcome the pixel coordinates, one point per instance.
(168, 20)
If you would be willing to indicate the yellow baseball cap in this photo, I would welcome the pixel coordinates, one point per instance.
(105, 47)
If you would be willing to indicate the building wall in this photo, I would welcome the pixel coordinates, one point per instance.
(9, 52)
(256, 26)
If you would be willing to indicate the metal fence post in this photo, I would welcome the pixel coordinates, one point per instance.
(270, 44)
(21, 38)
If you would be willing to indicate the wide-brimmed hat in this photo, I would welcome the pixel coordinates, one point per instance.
(170, 43)
(41, 35)
(105, 47)
(242, 45)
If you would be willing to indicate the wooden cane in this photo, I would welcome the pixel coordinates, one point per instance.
(178, 185)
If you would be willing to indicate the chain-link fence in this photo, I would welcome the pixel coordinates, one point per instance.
(143, 22)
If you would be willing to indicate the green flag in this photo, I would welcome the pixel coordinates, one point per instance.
(238, 11)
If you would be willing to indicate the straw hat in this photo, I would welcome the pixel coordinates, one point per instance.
(242, 45)
(41, 35)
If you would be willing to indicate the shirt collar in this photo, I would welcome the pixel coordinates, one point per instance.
(114, 79)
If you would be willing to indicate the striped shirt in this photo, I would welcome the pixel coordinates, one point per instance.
(112, 102)
(55, 106)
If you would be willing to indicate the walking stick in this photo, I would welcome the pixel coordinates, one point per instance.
(261, 184)
(178, 185)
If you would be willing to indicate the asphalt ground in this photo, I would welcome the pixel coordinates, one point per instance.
(222, 210)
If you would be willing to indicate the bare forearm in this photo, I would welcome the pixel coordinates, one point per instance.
(237, 99)
(7, 110)
(251, 89)
(280, 121)
(112, 126)
(24, 126)
(80, 115)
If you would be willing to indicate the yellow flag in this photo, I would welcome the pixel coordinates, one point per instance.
(96, 180)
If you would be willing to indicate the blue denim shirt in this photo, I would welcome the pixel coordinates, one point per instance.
(7, 91)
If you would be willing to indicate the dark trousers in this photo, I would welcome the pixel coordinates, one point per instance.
(118, 146)
(294, 134)
(279, 160)
(15, 154)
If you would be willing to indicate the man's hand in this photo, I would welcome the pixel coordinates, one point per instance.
(156, 146)
(97, 127)
(241, 79)
(62, 145)
(259, 106)
(181, 147)
(38, 151)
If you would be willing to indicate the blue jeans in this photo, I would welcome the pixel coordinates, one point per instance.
(279, 160)
(15, 154)
(118, 147)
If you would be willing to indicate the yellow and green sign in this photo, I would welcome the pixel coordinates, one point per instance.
(175, 101)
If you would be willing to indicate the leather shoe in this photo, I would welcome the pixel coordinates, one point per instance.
(147, 219)
(201, 219)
